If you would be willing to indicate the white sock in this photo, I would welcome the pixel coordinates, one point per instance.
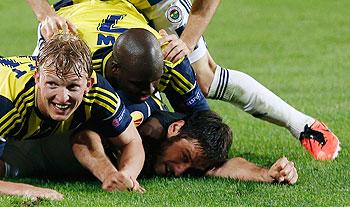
(245, 92)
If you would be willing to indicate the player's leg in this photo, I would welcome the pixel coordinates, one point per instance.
(242, 90)
(23, 158)
(46, 157)
(252, 97)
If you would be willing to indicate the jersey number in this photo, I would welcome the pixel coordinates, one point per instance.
(110, 25)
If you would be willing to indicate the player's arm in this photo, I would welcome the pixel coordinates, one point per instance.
(238, 168)
(132, 154)
(21, 189)
(182, 89)
(50, 21)
(88, 149)
(202, 12)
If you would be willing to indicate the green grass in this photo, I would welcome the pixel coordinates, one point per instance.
(298, 49)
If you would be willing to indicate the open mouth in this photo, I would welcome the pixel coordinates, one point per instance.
(61, 106)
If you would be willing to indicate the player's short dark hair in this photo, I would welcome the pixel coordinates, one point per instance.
(213, 136)
(138, 49)
(66, 52)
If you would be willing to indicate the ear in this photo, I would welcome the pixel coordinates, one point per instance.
(90, 82)
(36, 77)
(175, 128)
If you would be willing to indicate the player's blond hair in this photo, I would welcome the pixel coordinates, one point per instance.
(65, 53)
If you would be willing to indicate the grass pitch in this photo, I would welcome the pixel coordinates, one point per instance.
(298, 49)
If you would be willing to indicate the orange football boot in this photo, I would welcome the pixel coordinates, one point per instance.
(320, 141)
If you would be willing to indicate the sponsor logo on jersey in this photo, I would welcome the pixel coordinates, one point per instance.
(194, 99)
(137, 118)
(117, 120)
(174, 14)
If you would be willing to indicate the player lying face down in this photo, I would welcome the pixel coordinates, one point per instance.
(198, 144)
(177, 143)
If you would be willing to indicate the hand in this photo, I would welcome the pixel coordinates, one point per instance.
(137, 187)
(120, 181)
(175, 48)
(53, 23)
(283, 171)
(37, 193)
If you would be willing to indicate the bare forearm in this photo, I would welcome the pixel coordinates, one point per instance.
(88, 149)
(21, 189)
(241, 169)
(201, 14)
(132, 158)
(41, 9)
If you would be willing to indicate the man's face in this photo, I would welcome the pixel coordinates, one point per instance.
(138, 88)
(58, 98)
(137, 83)
(178, 157)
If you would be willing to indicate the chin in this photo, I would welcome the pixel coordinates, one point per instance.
(59, 117)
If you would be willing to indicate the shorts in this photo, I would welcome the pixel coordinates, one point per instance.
(46, 157)
(172, 16)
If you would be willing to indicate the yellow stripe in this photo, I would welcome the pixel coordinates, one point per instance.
(189, 86)
(16, 115)
(106, 106)
(96, 61)
(95, 67)
(159, 103)
(115, 103)
(15, 109)
(105, 59)
(176, 88)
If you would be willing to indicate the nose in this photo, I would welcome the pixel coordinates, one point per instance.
(62, 95)
(180, 168)
(148, 90)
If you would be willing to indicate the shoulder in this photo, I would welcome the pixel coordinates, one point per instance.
(102, 95)
(16, 76)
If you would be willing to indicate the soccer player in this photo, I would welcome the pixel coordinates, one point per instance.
(175, 144)
(59, 95)
(215, 82)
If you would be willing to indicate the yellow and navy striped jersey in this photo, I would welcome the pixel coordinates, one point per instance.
(139, 4)
(21, 119)
(99, 23)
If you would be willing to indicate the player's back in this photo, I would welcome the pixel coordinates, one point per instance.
(16, 72)
(99, 23)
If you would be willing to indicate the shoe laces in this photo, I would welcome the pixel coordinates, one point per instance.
(309, 133)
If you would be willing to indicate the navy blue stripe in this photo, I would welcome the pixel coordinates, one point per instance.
(186, 5)
(20, 112)
(218, 86)
(222, 84)
(153, 2)
(225, 83)
(63, 3)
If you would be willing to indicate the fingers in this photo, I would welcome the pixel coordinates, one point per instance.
(284, 171)
(175, 48)
(117, 181)
(53, 24)
(163, 33)
(137, 187)
(53, 195)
